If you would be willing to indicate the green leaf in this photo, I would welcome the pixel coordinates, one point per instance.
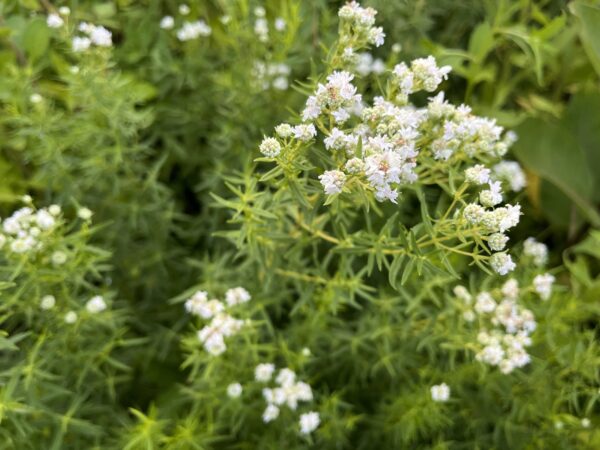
(550, 150)
(481, 42)
(35, 40)
(589, 31)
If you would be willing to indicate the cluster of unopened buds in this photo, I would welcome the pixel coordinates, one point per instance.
(188, 29)
(289, 392)
(222, 325)
(504, 324)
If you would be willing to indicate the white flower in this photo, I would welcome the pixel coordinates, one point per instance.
(396, 48)
(64, 10)
(280, 24)
(167, 23)
(286, 377)
(96, 304)
(270, 147)
(485, 303)
(537, 251)
(585, 422)
(84, 213)
(473, 213)
(71, 317)
(260, 11)
(264, 372)
(502, 263)
(234, 390)
(477, 174)
(333, 181)
(543, 285)
(376, 36)
(511, 172)
(55, 210)
(54, 21)
(491, 354)
(271, 413)
(192, 30)
(462, 293)
(81, 43)
(58, 258)
(305, 132)
(44, 219)
(225, 19)
(510, 289)
(355, 165)
(280, 83)
(306, 352)
(236, 296)
(47, 302)
(100, 36)
(493, 196)
(35, 98)
(184, 9)
(309, 422)
(497, 241)
(440, 392)
(284, 130)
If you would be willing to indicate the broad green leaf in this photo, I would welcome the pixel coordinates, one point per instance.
(36, 38)
(589, 20)
(481, 42)
(550, 150)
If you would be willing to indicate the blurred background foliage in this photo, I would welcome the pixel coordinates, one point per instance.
(144, 133)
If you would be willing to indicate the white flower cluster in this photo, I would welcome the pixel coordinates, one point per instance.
(440, 392)
(261, 24)
(361, 22)
(504, 325)
(189, 29)
(422, 75)
(26, 228)
(494, 222)
(222, 325)
(510, 172)
(338, 97)
(288, 391)
(96, 304)
(93, 34)
(380, 144)
(271, 75)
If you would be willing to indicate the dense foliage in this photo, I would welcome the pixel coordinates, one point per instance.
(233, 224)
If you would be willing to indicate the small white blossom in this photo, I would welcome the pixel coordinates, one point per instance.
(497, 241)
(284, 130)
(71, 317)
(440, 392)
(543, 285)
(64, 10)
(47, 302)
(512, 173)
(492, 196)
(280, 24)
(264, 372)
(167, 23)
(35, 98)
(333, 181)
(54, 21)
(84, 213)
(81, 44)
(236, 296)
(305, 132)
(502, 263)
(234, 390)
(271, 413)
(478, 174)
(537, 251)
(270, 147)
(309, 422)
(58, 258)
(184, 9)
(96, 304)
(485, 303)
